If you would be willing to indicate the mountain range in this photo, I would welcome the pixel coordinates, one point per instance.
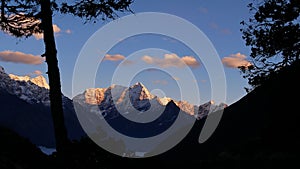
(261, 130)
(30, 114)
(138, 97)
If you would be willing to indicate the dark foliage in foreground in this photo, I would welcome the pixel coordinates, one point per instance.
(273, 34)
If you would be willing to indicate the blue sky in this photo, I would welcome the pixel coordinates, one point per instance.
(219, 21)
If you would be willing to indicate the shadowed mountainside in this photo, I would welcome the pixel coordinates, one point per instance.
(259, 130)
(34, 121)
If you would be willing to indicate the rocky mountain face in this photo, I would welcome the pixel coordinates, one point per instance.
(140, 98)
(38, 80)
(135, 112)
(25, 88)
(25, 109)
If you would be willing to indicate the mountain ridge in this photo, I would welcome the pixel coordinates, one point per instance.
(34, 103)
(25, 109)
(260, 129)
(26, 88)
(138, 93)
(36, 90)
(39, 80)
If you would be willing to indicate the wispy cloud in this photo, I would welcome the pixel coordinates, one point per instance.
(203, 81)
(203, 10)
(68, 31)
(190, 61)
(56, 29)
(226, 31)
(37, 72)
(39, 36)
(34, 73)
(116, 57)
(214, 25)
(217, 28)
(236, 60)
(127, 62)
(172, 60)
(160, 82)
(19, 57)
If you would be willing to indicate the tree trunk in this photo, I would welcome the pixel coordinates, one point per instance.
(54, 77)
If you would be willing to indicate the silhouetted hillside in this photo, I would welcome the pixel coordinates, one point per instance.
(34, 121)
(18, 153)
(261, 130)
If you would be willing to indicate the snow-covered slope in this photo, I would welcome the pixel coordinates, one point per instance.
(135, 112)
(38, 80)
(31, 90)
(25, 109)
(31, 117)
(208, 107)
(138, 97)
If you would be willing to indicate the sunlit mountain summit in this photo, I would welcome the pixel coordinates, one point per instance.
(139, 97)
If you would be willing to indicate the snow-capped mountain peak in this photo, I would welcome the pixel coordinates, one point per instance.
(94, 96)
(24, 87)
(164, 100)
(140, 98)
(209, 107)
(19, 78)
(39, 80)
(139, 92)
(187, 107)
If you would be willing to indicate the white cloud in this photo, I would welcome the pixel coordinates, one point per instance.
(56, 29)
(172, 60)
(190, 61)
(37, 72)
(161, 82)
(127, 62)
(203, 10)
(148, 59)
(39, 36)
(236, 60)
(216, 27)
(116, 57)
(68, 31)
(19, 57)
